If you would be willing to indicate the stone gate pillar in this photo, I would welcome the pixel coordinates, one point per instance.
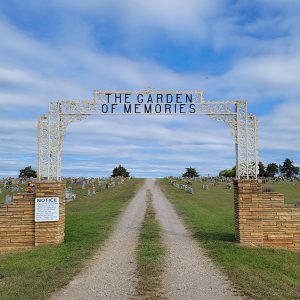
(247, 212)
(51, 233)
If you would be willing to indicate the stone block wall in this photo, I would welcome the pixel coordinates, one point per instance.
(18, 229)
(262, 219)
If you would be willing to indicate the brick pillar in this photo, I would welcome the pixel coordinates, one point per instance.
(247, 212)
(51, 233)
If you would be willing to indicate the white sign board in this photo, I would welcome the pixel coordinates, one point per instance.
(47, 209)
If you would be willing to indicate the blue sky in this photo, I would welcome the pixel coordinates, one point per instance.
(65, 49)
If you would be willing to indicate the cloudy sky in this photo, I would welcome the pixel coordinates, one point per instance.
(231, 49)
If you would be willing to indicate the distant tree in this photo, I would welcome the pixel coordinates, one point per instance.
(228, 172)
(225, 173)
(288, 169)
(271, 170)
(120, 171)
(233, 171)
(190, 173)
(261, 170)
(27, 172)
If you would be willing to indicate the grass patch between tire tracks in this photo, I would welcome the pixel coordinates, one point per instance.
(150, 254)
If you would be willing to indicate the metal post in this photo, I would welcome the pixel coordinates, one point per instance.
(237, 149)
(39, 137)
(256, 145)
(58, 159)
(247, 148)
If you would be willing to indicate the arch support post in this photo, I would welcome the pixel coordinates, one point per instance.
(246, 142)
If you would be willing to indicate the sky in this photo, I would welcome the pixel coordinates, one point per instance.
(231, 49)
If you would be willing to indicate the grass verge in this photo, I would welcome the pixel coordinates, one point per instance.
(260, 273)
(36, 273)
(291, 191)
(150, 254)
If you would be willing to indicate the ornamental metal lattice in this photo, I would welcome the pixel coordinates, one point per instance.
(52, 127)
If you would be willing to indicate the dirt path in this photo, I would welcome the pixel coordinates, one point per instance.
(111, 273)
(189, 273)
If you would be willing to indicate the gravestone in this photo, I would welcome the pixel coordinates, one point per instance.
(205, 187)
(8, 200)
(89, 193)
(190, 190)
(228, 186)
(69, 195)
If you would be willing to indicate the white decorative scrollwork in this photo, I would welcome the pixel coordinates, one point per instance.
(52, 128)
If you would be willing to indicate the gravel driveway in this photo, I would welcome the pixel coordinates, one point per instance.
(111, 274)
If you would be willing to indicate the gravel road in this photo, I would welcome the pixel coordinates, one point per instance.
(111, 272)
(189, 273)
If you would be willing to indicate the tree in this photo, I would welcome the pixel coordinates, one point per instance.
(27, 172)
(190, 173)
(233, 171)
(120, 171)
(272, 170)
(228, 172)
(288, 169)
(261, 170)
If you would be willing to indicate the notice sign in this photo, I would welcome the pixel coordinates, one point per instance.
(47, 209)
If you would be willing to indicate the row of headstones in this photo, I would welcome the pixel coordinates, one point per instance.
(102, 183)
(13, 185)
(292, 181)
(205, 185)
(10, 182)
(13, 189)
(202, 179)
(184, 187)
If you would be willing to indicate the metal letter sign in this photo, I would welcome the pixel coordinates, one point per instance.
(53, 126)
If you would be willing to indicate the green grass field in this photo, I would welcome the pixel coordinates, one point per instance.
(291, 192)
(259, 273)
(35, 273)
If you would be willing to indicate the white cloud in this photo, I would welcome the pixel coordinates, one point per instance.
(280, 129)
(71, 66)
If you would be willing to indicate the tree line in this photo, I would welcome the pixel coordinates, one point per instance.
(28, 172)
(286, 169)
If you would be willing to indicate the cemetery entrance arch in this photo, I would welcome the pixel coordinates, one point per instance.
(52, 126)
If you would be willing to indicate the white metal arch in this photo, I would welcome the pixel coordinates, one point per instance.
(52, 127)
